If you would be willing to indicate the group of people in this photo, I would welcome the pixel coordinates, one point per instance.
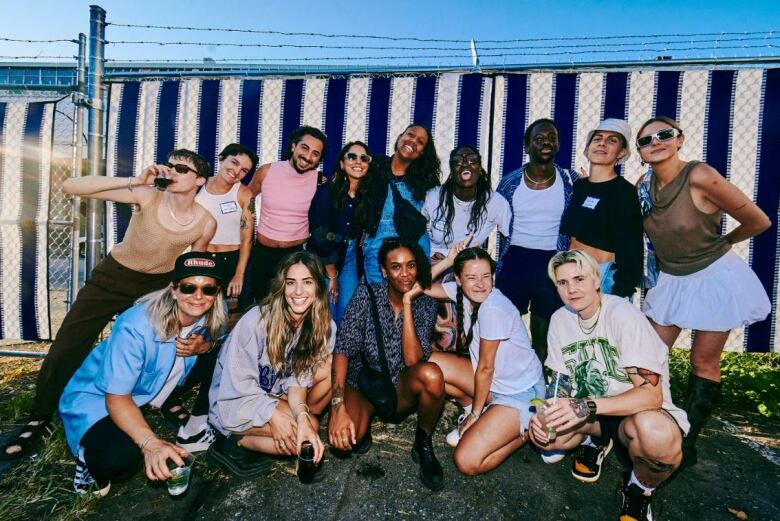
(375, 297)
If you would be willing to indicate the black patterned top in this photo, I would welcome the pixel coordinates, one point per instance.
(355, 335)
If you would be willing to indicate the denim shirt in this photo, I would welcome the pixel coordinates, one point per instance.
(133, 361)
(507, 187)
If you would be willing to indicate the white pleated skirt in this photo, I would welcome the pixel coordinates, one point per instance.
(723, 296)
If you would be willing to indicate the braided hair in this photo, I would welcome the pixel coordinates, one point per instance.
(469, 254)
(446, 209)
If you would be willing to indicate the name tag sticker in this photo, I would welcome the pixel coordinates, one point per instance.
(228, 207)
(590, 202)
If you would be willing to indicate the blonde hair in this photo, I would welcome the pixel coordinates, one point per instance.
(586, 264)
(163, 312)
(315, 329)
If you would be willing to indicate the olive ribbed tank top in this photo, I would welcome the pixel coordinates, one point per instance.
(149, 247)
(686, 240)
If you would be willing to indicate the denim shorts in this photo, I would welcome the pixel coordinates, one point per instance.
(521, 402)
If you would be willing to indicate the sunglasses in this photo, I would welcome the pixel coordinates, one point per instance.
(365, 158)
(188, 289)
(662, 135)
(469, 159)
(180, 168)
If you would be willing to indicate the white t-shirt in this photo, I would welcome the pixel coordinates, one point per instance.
(596, 363)
(175, 375)
(517, 368)
(498, 214)
(537, 215)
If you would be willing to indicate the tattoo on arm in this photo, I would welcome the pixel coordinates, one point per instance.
(648, 377)
(338, 392)
(580, 408)
(244, 221)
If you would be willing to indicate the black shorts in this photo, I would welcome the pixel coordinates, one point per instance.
(523, 279)
(610, 429)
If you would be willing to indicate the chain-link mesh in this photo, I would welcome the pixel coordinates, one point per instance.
(60, 224)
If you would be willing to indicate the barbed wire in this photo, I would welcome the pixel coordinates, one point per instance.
(38, 57)
(434, 40)
(443, 56)
(17, 40)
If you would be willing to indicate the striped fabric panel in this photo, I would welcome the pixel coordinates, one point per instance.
(26, 131)
(727, 116)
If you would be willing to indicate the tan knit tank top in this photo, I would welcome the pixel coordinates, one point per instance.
(149, 247)
(686, 240)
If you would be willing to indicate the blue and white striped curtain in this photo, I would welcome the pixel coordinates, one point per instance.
(726, 114)
(25, 165)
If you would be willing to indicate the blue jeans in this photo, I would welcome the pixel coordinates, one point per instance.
(348, 281)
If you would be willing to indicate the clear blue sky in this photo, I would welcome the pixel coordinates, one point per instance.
(453, 19)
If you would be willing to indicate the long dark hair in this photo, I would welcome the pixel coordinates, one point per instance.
(446, 208)
(339, 186)
(469, 254)
(425, 172)
(312, 346)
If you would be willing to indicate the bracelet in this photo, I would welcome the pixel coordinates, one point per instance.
(336, 401)
(130, 183)
(301, 405)
(145, 442)
(334, 276)
(474, 415)
(302, 412)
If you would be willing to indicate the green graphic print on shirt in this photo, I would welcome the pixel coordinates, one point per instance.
(593, 364)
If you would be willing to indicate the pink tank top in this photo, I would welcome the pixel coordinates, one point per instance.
(285, 199)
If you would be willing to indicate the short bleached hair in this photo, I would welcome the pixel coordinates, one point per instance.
(586, 264)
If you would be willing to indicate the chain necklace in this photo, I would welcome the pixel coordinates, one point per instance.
(537, 183)
(173, 216)
(588, 330)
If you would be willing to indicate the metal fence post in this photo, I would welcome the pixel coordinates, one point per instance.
(78, 129)
(96, 104)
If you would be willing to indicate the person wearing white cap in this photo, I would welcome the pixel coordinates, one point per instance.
(603, 218)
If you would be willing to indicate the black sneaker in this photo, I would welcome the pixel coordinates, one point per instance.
(636, 502)
(586, 466)
(241, 462)
(431, 473)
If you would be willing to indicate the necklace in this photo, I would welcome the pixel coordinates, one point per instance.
(588, 330)
(173, 216)
(537, 183)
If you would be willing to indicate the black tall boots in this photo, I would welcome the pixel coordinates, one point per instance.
(701, 399)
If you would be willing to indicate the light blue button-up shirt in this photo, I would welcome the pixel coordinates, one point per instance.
(134, 360)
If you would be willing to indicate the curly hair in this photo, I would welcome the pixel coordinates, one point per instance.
(425, 172)
(340, 186)
(446, 208)
(423, 263)
(469, 254)
(315, 330)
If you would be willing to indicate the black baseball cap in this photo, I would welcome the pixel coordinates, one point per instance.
(197, 263)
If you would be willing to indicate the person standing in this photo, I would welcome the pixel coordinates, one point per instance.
(702, 285)
(603, 218)
(287, 188)
(538, 193)
(167, 223)
(398, 194)
(229, 202)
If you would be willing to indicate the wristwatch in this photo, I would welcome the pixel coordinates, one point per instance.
(591, 409)
(336, 401)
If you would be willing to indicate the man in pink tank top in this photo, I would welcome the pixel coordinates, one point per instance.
(287, 189)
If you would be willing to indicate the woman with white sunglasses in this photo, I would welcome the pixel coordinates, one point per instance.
(702, 285)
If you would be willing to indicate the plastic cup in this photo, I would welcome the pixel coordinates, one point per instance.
(541, 408)
(180, 481)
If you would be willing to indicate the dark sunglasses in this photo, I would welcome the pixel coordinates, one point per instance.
(188, 289)
(180, 168)
(365, 158)
(662, 135)
(469, 159)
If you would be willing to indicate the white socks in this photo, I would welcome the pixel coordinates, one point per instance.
(588, 442)
(636, 482)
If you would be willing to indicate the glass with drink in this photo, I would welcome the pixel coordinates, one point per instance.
(541, 408)
(307, 469)
(161, 183)
(180, 481)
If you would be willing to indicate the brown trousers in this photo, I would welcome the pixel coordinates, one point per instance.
(112, 289)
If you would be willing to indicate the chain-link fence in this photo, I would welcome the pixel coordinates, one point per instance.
(61, 219)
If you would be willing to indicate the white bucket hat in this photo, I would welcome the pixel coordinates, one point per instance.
(613, 125)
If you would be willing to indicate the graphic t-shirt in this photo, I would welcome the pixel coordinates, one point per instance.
(596, 363)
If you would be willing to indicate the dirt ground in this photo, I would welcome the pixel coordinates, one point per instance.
(738, 477)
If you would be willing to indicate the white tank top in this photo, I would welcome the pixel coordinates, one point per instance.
(226, 211)
(537, 216)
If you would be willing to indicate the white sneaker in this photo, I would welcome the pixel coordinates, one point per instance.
(197, 442)
(453, 437)
(552, 456)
